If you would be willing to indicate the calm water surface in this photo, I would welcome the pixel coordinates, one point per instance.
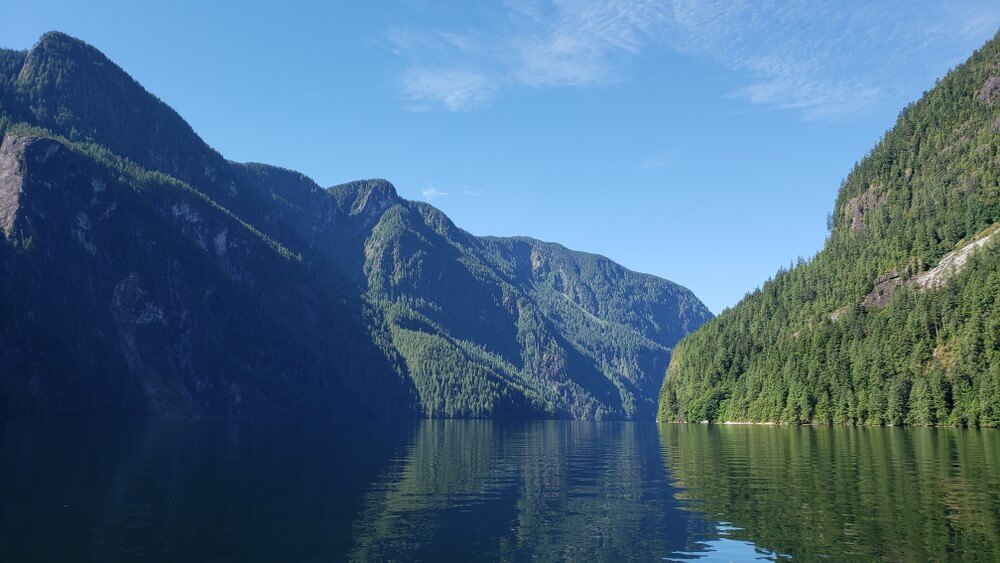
(455, 490)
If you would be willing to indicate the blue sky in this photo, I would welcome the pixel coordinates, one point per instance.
(702, 141)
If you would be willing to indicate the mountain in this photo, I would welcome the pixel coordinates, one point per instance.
(897, 319)
(143, 273)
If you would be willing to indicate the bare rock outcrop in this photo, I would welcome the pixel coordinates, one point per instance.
(948, 266)
(858, 206)
(11, 179)
(884, 287)
(989, 91)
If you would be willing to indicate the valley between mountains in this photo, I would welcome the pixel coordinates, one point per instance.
(143, 273)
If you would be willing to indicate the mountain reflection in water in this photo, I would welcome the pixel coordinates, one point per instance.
(494, 490)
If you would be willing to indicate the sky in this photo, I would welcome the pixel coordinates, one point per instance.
(698, 140)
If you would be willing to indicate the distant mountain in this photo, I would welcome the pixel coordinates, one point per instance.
(897, 319)
(143, 273)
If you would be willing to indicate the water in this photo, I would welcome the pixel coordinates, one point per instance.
(457, 490)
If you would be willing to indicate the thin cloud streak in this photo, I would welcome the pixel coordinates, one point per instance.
(430, 194)
(454, 90)
(654, 163)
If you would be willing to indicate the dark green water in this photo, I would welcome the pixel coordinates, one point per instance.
(464, 490)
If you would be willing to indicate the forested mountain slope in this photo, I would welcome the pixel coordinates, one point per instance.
(141, 272)
(897, 319)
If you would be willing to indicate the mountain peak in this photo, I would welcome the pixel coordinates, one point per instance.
(57, 46)
(71, 88)
(371, 197)
(58, 39)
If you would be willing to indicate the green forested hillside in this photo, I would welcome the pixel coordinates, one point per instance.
(143, 273)
(498, 326)
(868, 331)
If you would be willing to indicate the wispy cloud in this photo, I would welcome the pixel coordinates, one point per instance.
(584, 42)
(658, 160)
(829, 59)
(466, 191)
(452, 89)
(430, 194)
(820, 58)
(535, 44)
(654, 162)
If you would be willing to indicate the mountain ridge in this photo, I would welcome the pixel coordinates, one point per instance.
(250, 289)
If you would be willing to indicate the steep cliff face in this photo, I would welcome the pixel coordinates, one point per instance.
(897, 319)
(144, 273)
